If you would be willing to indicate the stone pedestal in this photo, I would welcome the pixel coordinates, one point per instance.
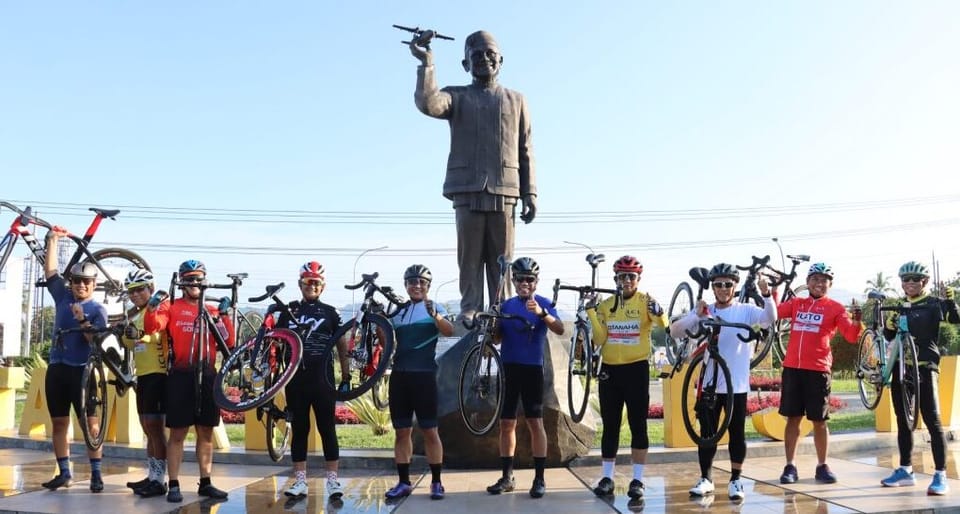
(565, 439)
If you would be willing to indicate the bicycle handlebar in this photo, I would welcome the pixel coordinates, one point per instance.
(500, 315)
(758, 264)
(585, 290)
(271, 291)
(704, 326)
(386, 291)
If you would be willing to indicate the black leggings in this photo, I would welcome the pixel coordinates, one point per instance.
(624, 384)
(303, 392)
(738, 440)
(929, 400)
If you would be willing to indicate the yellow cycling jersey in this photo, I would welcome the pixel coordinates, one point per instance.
(150, 351)
(623, 336)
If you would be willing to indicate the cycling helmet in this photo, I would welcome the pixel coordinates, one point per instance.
(418, 271)
(84, 269)
(312, 269)
(525, 266)
(628, 264)
(820, 268)
(724, 270)
(192, 267)
(138, 278)
(913, 268)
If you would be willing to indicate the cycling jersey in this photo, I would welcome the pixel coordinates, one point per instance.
(178, 320)
(519, 344)
(923, 320)
(322, 322)
(624, 336)
(150, 351)
(814, 322)
(72, 348)
(417, 336)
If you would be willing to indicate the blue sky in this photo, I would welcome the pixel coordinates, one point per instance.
(848, 111)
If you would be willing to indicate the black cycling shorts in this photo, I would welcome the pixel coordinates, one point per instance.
(805, 391)
(63, 388)
(182, 404)
(152, 394)
(413, 392)
(524, 383)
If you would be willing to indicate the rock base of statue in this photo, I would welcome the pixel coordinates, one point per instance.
(565, 438)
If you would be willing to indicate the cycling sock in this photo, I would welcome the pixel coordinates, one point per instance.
(538, 464)
(506, 465)
(151, 468)
(300, 475)
(204, 481)
(608, 468)
(435, 472)
(331, 475)
(174, 483)
(734, 474)
(908, 469)
(95, 467)
(64, 464)
(404, 471)
(638, 472)
(161, 469)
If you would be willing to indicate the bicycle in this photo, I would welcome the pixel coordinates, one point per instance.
(681, 302)
(583, 363)
(780, 335)
(699, 397)
(878, 360)
(110, 262)
(259, 368)
(94, 400)
(370, 339)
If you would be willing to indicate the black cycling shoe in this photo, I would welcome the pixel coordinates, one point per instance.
(152, 489)
(539, 488)
(58, 481)
(212, 492)
(174, 495)
(504, 485)
(96, 484)
(139, 484)
(604, 488)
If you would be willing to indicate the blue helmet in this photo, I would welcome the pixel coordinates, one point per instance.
(192, 267)
(821, 268)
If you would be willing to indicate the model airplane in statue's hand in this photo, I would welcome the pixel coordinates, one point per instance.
(420, 37)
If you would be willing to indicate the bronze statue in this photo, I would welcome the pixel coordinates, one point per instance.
(490, 165)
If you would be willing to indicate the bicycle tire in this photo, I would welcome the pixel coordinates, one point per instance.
(481, 385)
(869, 376)
(381, 392)
(277, 434)
(680, 303)
(910, 382)
(783, 326)
(760, 349)
(249, 322)
(579, 374)
(697, 401)
(93, 403)
(365, 367)
(284, 351)
(116, 263)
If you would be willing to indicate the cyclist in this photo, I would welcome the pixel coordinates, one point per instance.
(413, 380)
(924, 319)
(623, 338)
(805, 386)
(522, 351)
(75, 308)
(306, 390)
(150, 360)
(723, 281)
(177, 319)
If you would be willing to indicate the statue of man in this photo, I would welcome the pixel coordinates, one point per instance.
(490, 166)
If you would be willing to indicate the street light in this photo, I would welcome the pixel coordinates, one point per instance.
(580, 244)
(436, 295)
(783, 262)
(353, 294)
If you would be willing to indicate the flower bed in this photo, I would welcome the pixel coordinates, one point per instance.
(755, 403)
(342, 414)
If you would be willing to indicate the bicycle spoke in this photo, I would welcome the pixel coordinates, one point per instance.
(481, 390)
(869, 374)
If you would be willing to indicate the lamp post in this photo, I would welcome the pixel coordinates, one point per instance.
(355, 261)
(436, 296)
(783, 262)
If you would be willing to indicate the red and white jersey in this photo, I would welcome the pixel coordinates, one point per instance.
(814, 322)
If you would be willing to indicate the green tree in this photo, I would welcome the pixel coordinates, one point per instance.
(881, 283)
(43, 321)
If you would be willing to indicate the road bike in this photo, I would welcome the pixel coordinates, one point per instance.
(370, 339)
(113, 263)
(682, 302)
(583, 362)
(879, 362)
(780, 336)
(706, 381)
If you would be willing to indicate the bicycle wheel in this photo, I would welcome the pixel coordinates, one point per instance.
(869, 376)
(783, 326)
(115, 264)
(579, 374)
(381, 391)
(249, 322)
(245, 381)
(762, 347)
(910, 382)
(680, 304)
(481, 388)
(700, 400)
(93, 404)
(370, 347)
(278, 435)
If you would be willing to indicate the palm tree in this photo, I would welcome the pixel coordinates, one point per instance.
(880, 283)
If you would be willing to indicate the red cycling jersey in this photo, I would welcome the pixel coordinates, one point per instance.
(813, 323)
(178, 320)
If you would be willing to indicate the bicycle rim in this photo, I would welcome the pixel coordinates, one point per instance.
(116, 264)
(680, 304)
(370, 348)
(381, 390)
(93, 404)
(249, 322)
(910, 382)
(700, 400)
(869, 359)
(579, 374)
(237, 387)
(481, 389)
(762, 347)
(278, 436)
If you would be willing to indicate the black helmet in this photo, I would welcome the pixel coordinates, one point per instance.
(418, 271)
(525, 266)
(724, 270)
